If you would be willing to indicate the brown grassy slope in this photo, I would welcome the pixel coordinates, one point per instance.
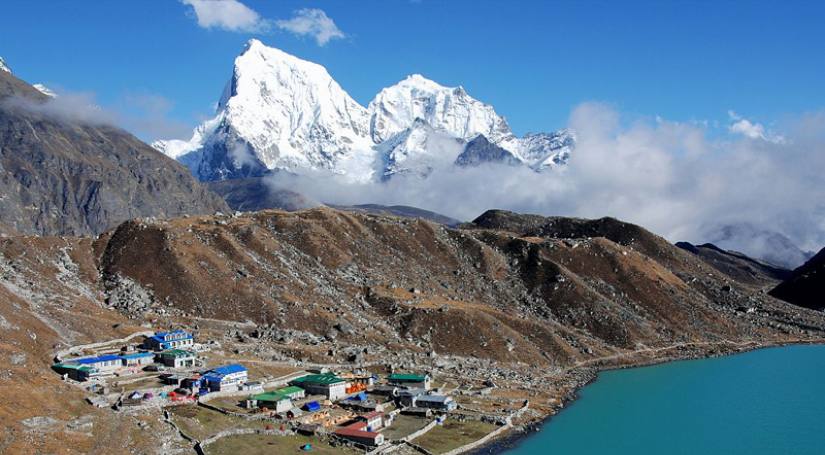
(48, 299)
(310, 270)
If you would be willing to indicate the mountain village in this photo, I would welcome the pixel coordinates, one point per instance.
(319, 409)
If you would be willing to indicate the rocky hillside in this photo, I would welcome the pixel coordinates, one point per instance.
(61, 175)
(737, 265)
(50, 298)
(508, 297)
(534, 289)
(806, 285)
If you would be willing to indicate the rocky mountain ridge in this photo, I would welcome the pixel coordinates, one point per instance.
(281, 112)
(60, 175)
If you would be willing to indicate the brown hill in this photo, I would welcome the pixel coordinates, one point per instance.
(564, 286)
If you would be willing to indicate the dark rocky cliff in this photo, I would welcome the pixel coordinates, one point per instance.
(806, 286)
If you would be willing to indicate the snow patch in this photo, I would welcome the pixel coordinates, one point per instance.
(45, 90)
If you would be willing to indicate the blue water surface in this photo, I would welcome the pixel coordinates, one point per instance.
(770, 401)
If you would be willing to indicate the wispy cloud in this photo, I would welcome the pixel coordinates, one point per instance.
(149, 116)
(230, 15)
(146, 115)
(312, 22)
(68, 107)
(750, 129)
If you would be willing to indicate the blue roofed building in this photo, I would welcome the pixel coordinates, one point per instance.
(227, 377)
(175, 339)
(103, 364)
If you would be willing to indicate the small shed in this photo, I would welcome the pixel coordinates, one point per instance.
(360, 396)
(312, 406)
(374, 420)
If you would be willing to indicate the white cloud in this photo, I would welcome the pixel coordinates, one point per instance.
(230, 15)
(750, 129)
(149, 116)
(311, 22)
(146, 115)
(676, 179)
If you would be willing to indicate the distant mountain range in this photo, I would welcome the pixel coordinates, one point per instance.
(279, 112)
(765, 244)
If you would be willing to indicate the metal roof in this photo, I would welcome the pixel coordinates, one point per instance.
(228, 369)
(70, 366)
(269, 396)
(212, 378)
(434, 398)
(289, 390)
(137, 355)
(408, 377)
(177, 353)
(91, 360)
(172, 332)
(319, 379)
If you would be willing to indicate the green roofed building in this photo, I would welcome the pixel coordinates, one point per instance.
(292, 392)
(326, 384)
(410, 380)
(74, 371)
(274, 401)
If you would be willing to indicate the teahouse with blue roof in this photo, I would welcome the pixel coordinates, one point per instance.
(175, 339)
(227, 377)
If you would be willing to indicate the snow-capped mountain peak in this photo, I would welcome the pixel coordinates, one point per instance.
(281, 112)
(447, 108)
(4, 66)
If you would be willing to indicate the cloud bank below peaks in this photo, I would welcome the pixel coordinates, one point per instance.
(674, 178)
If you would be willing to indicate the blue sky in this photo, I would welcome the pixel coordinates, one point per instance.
(533, 60)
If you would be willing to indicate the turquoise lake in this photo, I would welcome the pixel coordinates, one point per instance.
(770, 401)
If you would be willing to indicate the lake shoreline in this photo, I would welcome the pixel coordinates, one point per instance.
(520, 433)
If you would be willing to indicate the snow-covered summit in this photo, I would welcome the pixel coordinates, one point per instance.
(4, 66)
(281, 112)
(446, 108)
